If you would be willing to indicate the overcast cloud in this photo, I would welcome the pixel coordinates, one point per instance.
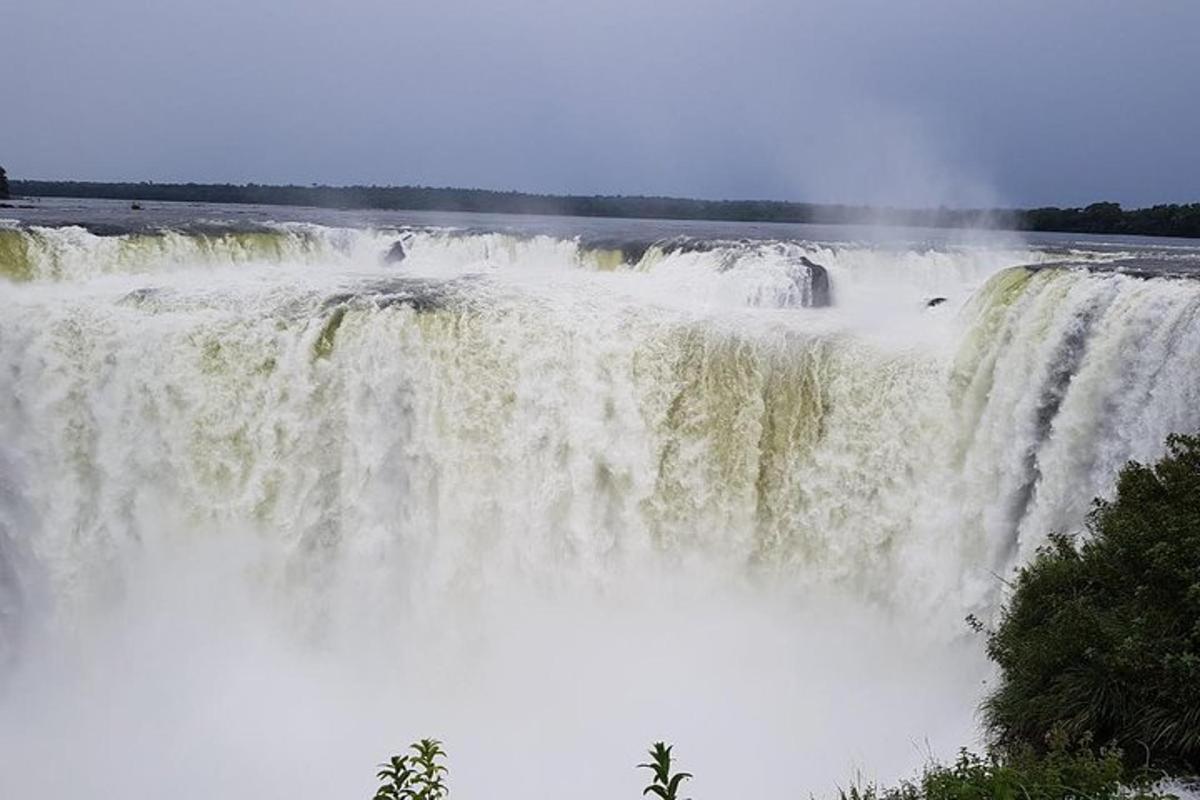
(942, 102)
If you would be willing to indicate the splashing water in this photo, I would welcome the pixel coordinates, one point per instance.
(270, 508)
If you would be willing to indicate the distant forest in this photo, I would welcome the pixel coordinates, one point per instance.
(1104, 218)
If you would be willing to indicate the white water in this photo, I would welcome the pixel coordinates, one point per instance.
(260, 526)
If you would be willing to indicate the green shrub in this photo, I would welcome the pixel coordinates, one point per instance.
(1059, 773)
(1101, 639)
(414, 777)
(665, 784)
(395, 777)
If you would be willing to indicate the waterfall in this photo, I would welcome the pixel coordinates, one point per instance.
(505, 487)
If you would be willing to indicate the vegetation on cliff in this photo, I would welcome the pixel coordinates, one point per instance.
(1101, 639)
(1099, 654)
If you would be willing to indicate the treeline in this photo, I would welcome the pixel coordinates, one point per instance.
(425, 198)
(1107, 218)
(1110, 218)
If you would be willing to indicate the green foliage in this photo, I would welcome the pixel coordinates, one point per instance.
(665, 784)
(1101, 640)
(1061, 773)
(396, 779)
(414, 777)
(1109, 218)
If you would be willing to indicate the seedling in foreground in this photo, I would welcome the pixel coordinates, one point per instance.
(414, 777)
(665, 785)
(396, 777)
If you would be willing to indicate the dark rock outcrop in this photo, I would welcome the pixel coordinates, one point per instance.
(817, 294)
(396, 254)
(934, 301)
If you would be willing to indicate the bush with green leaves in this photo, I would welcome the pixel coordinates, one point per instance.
(1101, 638)
(665, 784)
(418, 776)
(1061, 772)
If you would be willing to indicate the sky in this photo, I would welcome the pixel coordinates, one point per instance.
(883, 102)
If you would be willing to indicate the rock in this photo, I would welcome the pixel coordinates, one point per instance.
(934, 301)
(817, 295)
(396, 254)
(809, 289)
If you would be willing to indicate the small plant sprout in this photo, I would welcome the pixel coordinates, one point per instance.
(428, 781)
(395, 777)
(414, 777)
(665, 785)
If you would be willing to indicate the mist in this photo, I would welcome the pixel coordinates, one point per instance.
(535, 694)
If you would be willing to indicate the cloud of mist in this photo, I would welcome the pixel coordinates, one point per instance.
(187, 685)
(867, 101)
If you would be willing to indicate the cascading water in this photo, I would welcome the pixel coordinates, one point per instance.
(269, 507)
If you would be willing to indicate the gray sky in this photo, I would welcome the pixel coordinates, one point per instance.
(961, 102)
